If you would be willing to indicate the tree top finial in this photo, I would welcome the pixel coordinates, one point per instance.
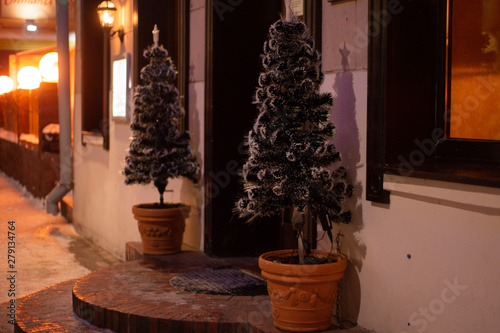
(156, 35)
(289, 14)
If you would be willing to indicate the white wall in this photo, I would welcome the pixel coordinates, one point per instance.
(451, 231)
(195, 229)
(102, 203)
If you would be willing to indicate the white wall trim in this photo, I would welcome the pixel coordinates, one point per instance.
(469, 195)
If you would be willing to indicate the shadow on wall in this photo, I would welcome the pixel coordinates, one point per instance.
(348, 142)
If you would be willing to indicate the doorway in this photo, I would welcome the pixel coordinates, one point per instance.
(236, 31)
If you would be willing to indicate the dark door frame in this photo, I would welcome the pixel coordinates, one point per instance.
(277, 237)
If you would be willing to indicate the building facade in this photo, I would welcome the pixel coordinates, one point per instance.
(427, 261)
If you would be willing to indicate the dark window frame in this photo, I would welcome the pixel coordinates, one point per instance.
(176, 42)
(405, 132)
(91, 74)
(95, 117)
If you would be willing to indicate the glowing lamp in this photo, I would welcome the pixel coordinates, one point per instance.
(106, 11)
(29, 77)
(31, 26)
(49, 68)
(6, 84)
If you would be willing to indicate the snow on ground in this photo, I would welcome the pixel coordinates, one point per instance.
(41, 244)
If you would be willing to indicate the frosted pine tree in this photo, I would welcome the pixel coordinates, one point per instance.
(292, 162)
(158, 151)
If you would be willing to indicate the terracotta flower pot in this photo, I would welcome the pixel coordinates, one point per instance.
(161, 229)
(302, 296)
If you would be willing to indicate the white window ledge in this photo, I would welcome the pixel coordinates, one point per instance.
(443, 191)
(8, 135)
(93, 139)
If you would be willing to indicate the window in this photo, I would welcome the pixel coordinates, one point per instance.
(473, 71)
(433, 108)
(93, 118)
(171, 16)
(472, 97)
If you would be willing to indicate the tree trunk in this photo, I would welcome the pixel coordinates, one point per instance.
(298, 221)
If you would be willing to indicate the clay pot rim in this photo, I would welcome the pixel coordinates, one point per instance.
(327, 268)
(142, 214)
(179, 205)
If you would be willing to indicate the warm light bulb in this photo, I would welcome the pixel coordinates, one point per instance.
(106, 11)
(6, 84)
(29, 77)
(107, 19)
(49, 68)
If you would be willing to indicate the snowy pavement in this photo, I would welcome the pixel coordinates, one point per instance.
(44, 249)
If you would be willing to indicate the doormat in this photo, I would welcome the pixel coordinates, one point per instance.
(223, 280)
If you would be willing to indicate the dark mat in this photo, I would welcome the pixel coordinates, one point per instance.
(225, 280)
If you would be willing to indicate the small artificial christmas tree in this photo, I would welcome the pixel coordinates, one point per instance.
(158, 151)
(292, 162)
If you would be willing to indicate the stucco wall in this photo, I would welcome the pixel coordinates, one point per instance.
(102, 203)
(450, 231)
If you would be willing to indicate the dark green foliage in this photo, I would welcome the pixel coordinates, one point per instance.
(292, 161)
(158, 151)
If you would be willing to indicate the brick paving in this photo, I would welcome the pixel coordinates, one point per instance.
(137, 296)
(48, 251)
(48, 310)
(149, 300)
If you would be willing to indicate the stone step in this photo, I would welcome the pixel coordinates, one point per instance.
(134, 251)
(67, 208)
(137, 297)
(49, 311)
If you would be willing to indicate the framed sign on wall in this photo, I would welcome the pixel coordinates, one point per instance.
(121, 84)
(28, 10)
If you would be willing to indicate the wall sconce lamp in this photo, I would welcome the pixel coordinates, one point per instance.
(31, 26)
(106, 11)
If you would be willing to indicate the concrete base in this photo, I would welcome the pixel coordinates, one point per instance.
(67, 208)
